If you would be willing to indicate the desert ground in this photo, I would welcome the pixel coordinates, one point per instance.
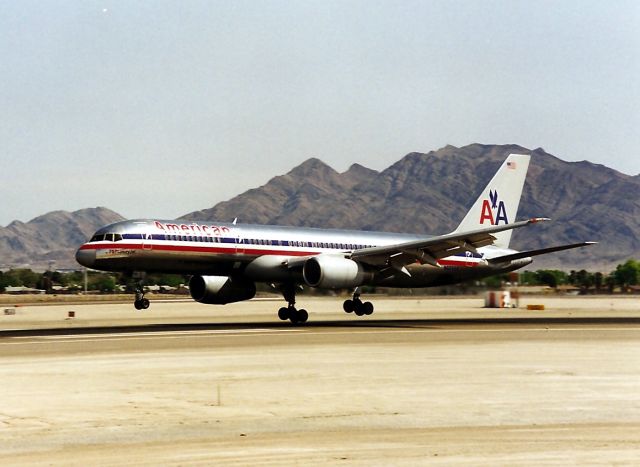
(423, 381)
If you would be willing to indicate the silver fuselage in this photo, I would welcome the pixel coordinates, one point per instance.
(258, 252)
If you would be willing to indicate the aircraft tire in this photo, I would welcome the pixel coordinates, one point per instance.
(302, 316)
(347, 306)
(145, 303)
(138, 304)
(367, 308)
(359, 311)
(283, 313)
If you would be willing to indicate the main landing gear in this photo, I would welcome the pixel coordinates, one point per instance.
(355, 305)
(290, 312)
(140, 302)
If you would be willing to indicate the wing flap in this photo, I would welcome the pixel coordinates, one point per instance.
(432, 249)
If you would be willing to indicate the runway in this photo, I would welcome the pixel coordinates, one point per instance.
(435, 390)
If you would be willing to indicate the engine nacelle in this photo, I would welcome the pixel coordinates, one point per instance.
(220, 290)
(333, 272)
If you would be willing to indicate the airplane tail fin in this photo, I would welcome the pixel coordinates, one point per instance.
(498, 202)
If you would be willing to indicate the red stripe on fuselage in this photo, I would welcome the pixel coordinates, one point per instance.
(232, 248)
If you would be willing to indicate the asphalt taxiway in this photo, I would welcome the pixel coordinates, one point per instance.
(422, 381)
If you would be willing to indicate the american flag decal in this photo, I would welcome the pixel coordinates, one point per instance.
(511, 165)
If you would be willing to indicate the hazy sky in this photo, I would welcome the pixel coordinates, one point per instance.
(156, 109)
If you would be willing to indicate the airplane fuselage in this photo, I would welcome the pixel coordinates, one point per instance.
(257, 252)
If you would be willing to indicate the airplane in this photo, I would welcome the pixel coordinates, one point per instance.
(226, 260)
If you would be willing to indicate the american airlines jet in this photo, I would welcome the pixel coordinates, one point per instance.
(226, 260)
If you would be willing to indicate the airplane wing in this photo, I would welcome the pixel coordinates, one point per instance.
(430, 250)
(542, 251)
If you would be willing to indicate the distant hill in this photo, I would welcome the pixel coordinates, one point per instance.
(51, 237)
(430, 193)
(421, 193)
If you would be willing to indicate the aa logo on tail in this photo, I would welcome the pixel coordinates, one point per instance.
(493, 210)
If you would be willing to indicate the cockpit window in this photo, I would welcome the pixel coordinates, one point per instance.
(106, 237)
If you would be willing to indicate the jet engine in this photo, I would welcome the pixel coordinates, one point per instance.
(220, 290)
(333, 272)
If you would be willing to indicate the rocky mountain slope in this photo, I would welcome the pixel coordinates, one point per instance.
(430, 193)
(53, 237)
(421, 193)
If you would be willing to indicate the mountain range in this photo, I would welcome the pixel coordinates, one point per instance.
(421, 193)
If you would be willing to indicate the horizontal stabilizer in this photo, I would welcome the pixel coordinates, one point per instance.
(542, 251)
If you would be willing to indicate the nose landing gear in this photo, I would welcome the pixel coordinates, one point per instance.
(140, 303)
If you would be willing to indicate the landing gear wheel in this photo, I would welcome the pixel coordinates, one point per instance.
(297, 316)
(142, 304)
(293, 315)
(355, 305)
(290, 312)
(303, 316)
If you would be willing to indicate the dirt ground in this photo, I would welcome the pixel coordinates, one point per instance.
(406, 386)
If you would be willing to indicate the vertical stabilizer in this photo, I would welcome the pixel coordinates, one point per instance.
(498, 203)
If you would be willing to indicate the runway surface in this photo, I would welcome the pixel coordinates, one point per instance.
(447, 387)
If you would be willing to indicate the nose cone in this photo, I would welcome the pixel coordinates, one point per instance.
(86, 257)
